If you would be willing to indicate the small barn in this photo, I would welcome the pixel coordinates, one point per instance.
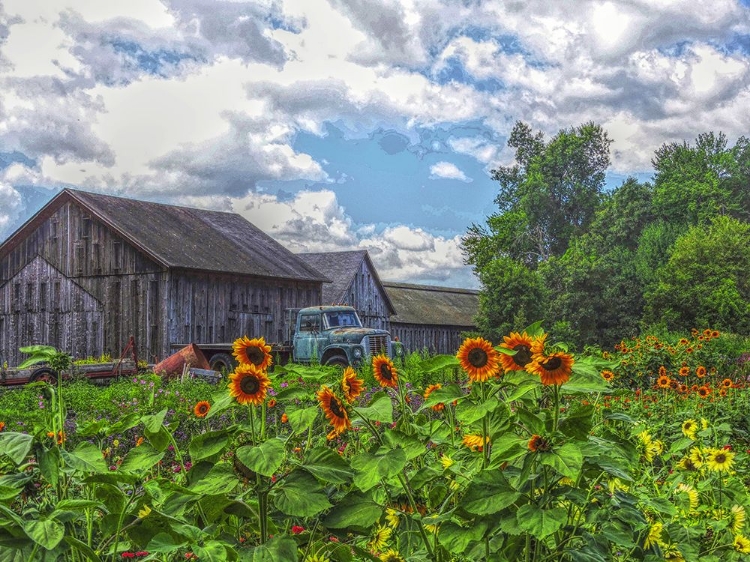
(354, 282)
(89, 270)
(431, 318)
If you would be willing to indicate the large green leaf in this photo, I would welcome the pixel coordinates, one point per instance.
(457, 539)
(302, 419)
(370, 469)
(437, 363)
(278, 549)
(154, 422)
(208, 444)
(411, 445)
(567, 460)
(85, 458)
(16, 446)
(327, 466)
(46, 533)
(471, 411)
(87, 552)
(140, 459)
(489, 492)
(220, 401)
(444, 395)
(264, 459)
(300, 495)
(221, 479)
(540, 522)
(356, 510)
(379, 410)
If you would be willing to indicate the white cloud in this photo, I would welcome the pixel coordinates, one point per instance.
(447, 170)
(10, 208)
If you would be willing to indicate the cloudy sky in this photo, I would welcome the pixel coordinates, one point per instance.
(341, 124)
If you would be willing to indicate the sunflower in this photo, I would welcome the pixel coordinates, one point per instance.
(738, 516)
(726, 383)
(317, 558)
(703, 391)
(391, 556)
(201, 409)
(429, 390)
(474, 442)
(446, 462)
(697, 457)
(380, 538)
(662, 371)
(384, 371)
(608, 375)
(674, 384)
(351, 386)
(715, 334)
(684, 371)
(479, 359)
(700, 371)
(663, 381)
(707, 332)
(654, 534)
(689, 428)
(538, 443)
(683, 389)
(2, 425)
(248, 384)
(723, 392)
(742, 544)
(686, 463)
(521, 344)
(683, 341)
(720, 460)
(252, 352)
(392, 517)
(334, 410)
(691, 493)
(552, 369)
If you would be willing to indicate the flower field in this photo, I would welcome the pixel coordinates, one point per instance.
(511, 450)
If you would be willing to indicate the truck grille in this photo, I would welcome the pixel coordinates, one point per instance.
(377, 345)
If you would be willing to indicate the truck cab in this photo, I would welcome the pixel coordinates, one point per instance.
(334, 335)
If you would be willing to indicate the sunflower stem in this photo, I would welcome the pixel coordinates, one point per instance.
(485, 431)
(556, 411)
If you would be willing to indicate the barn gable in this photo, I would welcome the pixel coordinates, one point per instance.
(354, 282)
(431, 317)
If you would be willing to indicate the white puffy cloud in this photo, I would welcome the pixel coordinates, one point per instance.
(447, 170)
(10, 208)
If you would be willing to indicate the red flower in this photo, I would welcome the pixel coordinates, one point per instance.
(297, 529)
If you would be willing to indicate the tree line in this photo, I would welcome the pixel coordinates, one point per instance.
(600, 265)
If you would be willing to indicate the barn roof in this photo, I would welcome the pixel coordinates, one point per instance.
(183, 237)
(341, 268)
(432, 305)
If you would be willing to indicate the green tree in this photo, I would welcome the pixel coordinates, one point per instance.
(512, 297)
(549, 195)
(705, 283)
(695, 183)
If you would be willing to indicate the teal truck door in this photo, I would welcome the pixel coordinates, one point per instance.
(308, 337)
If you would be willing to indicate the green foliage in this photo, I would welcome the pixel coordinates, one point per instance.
(705, 282)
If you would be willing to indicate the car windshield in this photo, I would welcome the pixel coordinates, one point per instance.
(342, 318)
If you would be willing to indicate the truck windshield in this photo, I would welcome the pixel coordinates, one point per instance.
(344, 318)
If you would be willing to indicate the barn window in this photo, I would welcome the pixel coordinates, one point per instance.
(117, 256)
(85, 227)
(79, 258)
(29, 296)
(97, 258)
(43, 296)
(53, 229)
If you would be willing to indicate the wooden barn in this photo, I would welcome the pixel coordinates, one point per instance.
(431, 318)
(89, 270)
(354, 282)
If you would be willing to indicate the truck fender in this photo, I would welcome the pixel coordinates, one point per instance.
(337, 360)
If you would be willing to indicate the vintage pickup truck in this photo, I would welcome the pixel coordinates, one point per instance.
(330, 335)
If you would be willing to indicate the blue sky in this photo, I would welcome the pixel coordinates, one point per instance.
(341, 124)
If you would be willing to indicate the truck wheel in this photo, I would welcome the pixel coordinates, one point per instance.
(46, 375)
(337, 360)
(222, 362)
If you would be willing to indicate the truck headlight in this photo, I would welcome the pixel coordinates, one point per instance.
(357, 352)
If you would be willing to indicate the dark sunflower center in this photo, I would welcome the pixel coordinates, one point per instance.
(478, 357)
(255, 355)
(202, 408)
(249, 384)
(385, 372)
(336, 408)
(522, 356)
(552, 363)
(721, 458)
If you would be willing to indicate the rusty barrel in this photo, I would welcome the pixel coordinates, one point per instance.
(190, 356)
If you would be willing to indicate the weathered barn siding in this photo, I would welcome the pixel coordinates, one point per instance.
(86, 254)
(431, 318)
(354, 282)
(208, 308)
(39, 305)
(161, 273)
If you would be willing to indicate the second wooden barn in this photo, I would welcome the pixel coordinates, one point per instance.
(89, 270)
(431, 318)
